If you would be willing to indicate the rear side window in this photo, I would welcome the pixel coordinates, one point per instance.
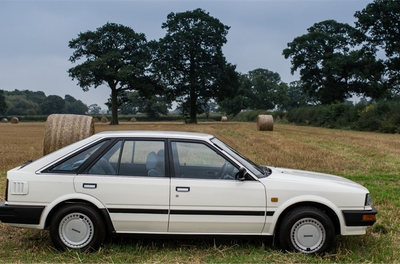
(132, 158)
(107, 164)
(75, 162)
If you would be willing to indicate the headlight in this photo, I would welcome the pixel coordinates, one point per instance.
(368, 200)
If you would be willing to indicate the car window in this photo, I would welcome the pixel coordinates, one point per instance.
(253, 167)
(75, 162)
(132, 158)
(108, 163)
(197, 160)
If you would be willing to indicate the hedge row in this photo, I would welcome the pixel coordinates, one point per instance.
(379, 117)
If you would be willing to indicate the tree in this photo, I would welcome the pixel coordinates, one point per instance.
(296, 97)
(331, 69)
(134, 102)
(266, 89)
(3, 105)
(126, 105)
(258, 89)
(19, 105)
(155, 106)
(94, 109)
(240, 99)
(380, 20)
(52, 104)
(189, 57)
(73, 106)
(116, 56)
(36, 97)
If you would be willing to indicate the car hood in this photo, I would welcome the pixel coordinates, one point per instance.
(312, 178)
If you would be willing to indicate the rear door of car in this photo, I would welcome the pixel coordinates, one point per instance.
(130, 179)
(205, 196)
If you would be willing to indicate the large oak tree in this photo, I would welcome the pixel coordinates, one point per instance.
(114, 55)
(331, 67)
(380, 20)
(190, 57)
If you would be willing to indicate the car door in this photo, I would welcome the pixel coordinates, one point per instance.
(205, 196)
(129, 179)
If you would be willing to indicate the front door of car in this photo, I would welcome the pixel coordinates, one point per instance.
(207, 199)
(129, 179)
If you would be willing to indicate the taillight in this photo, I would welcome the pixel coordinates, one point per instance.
(6, 190)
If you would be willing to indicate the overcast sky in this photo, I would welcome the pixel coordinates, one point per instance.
(34, 35)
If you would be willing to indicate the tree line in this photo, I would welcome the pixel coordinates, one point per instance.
(187, 65)
(37, 103)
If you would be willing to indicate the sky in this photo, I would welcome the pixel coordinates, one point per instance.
(34, 35)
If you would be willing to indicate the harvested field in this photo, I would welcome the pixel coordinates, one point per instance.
(368, 158)
(324, 150)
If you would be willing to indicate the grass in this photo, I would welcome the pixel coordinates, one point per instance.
(368, 158)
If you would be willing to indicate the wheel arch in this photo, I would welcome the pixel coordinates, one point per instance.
(102, 211)
(329, 211)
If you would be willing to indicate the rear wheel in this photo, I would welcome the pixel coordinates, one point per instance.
(307, 229)
(77, 226)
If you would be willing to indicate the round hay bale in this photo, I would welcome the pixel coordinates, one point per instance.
(63, 130)
(265, 123)
(4, 120)
(133, 120)
(14, 120)
(96, 120)
(224, 119)
(104, 119)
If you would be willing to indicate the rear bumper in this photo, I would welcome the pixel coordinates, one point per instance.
(359, 217)
(19, 214)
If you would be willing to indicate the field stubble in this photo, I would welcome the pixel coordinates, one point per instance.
(369, 158)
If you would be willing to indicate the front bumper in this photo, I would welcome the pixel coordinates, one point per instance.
(20, 214)
(360, 217)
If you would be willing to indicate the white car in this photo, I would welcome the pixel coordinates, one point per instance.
(175, 183)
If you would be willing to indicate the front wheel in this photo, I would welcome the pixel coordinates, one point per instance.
(78, 227)
(307, 229)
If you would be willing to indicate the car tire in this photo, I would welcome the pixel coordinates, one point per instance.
(306, 229)
(77, 227)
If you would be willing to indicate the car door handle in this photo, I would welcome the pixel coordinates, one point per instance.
(182, 189)
(90, 185)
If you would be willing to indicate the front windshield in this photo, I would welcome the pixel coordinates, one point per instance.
(250, 165)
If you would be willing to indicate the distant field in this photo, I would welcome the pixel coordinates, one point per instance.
(368, 158)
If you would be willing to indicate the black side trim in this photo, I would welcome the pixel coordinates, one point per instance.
(209, 212)
(18, 214)
(187, 212)
(354, 217)
(270, 213)
(138, 211)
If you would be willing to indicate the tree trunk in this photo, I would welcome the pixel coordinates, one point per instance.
(193, 105)
(114, 106)
(192, 95)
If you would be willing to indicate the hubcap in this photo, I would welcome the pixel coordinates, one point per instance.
(76, 230)
(308, 235)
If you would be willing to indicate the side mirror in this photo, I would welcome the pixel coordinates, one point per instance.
(240, 176)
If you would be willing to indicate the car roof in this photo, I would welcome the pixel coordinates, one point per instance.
(156, 134)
